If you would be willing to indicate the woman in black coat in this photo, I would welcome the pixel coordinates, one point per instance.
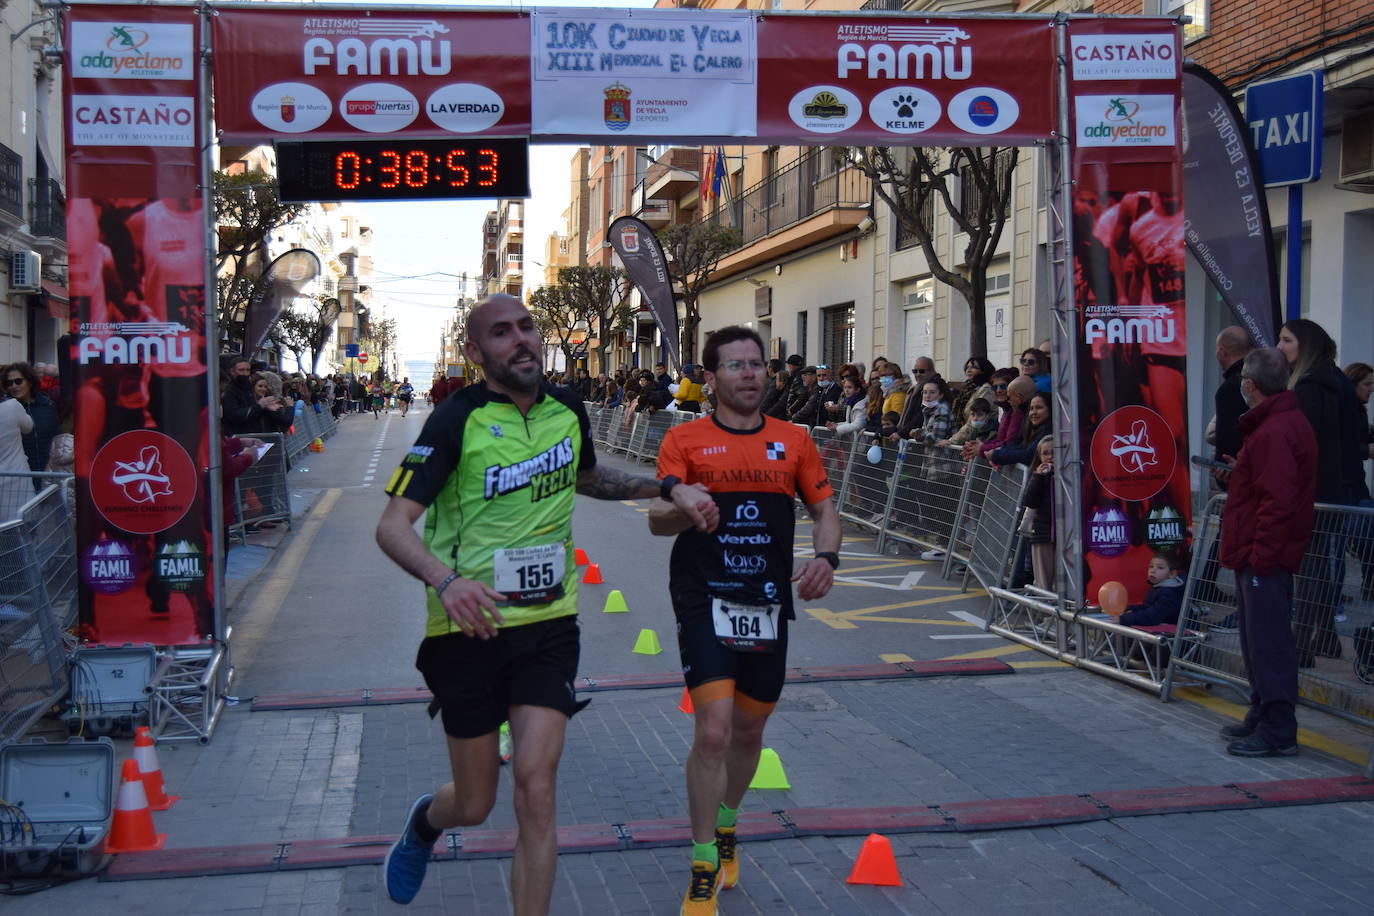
(1327, 398)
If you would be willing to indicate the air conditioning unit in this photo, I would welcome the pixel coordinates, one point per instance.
(26, 272)
(1357, 152)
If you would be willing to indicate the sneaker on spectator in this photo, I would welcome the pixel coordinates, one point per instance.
(935, 553)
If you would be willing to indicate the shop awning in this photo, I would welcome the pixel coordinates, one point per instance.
(55, 295)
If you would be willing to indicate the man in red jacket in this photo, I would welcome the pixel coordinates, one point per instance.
(1264, 534)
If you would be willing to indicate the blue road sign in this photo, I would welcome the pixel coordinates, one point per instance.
(1285, 118)
(351, 351)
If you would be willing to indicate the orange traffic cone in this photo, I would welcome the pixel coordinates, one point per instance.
(686, 703)
(876, 864)
(580, 556)
(145, 753)
(593, 574)
(132, 830)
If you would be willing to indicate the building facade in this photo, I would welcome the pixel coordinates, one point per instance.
(33, 223)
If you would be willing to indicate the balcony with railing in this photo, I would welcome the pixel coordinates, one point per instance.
(797, 206)
(655, 213)
(47, 209)
(673, 174)
(11, 183)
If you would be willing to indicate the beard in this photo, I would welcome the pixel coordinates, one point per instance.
(740, 401)
(524, 378)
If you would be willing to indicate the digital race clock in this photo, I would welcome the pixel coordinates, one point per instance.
(402, 169)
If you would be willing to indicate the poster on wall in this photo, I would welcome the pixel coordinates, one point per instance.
(1128, 284)
(345, 72)
(643, 74)
(137, 278)
(908, 81)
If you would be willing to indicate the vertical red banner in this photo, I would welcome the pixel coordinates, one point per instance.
(137, 270)
(1128, 239)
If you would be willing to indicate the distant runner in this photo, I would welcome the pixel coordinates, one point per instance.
(731, 587)
(404, 394)
(497, 465)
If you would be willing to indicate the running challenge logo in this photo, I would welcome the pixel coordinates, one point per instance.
(1133, 453)
(143, 481)
(137, 51)
(547, 473)
(1125, 120)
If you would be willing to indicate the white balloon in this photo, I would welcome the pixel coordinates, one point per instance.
(875, 454)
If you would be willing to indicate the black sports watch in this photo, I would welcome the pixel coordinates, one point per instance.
(830, 557)
(665, 487)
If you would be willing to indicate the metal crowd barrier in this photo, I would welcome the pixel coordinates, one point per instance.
(309, 426)
(1333, 615)
(262, 493)
(995, 542)
(37, 604)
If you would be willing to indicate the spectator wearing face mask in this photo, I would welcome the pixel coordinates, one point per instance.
(895, 390)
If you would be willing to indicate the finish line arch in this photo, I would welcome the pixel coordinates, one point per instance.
(150, 89)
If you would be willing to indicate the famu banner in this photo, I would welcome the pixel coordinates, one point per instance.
(1128, 255)
(1228, 227)
(136, 235)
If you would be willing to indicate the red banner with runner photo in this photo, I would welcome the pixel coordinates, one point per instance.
(136, 238)
(316, 74)
(1129, 252)
(927, 82)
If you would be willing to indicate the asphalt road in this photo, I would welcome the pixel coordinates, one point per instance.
(287, 640)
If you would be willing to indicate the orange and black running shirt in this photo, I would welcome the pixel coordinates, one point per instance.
(753, 475)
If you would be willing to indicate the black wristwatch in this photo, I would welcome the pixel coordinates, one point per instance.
(830, 557)
(665, 487)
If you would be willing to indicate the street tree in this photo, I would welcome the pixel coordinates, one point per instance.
(911, 179)
(600, 296)
(306, 328)
(694, 251)
(247, 210)
(553, 317)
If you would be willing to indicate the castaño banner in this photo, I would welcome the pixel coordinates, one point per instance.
(1128, 271)
(319, 73)
(136, 236)
(905, 81)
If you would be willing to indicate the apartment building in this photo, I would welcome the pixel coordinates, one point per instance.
(33, 223)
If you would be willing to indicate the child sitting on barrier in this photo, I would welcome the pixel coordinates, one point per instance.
(981, 424)
(1163, 602)
(1039, 530)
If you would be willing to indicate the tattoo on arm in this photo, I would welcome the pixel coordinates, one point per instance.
(603, 482)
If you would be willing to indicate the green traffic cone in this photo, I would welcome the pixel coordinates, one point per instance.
(647, 643)
(769, 774)
(615, 603)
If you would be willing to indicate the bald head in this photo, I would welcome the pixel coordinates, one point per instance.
(484, 313)
(1021, 390)
(1232, 344)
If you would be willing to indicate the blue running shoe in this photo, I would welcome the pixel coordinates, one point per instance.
(407, 859)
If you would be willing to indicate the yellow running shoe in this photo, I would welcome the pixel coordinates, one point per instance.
(729, 860)
(700, 899)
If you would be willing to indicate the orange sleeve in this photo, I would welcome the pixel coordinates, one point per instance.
(812, 483)
(672, 456)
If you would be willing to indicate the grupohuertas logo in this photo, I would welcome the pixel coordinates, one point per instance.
(1122, 120)
(180, 565)
(122, 50)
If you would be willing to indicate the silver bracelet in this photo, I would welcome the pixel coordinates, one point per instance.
(439, 589)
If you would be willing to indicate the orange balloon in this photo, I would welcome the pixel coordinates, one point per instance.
(1112, 597)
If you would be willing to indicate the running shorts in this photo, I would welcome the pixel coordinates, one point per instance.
(710, 668)
(476, 681)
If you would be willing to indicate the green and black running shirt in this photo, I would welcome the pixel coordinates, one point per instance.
(499, 487)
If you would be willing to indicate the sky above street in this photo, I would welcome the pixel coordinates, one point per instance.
(419, 249)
